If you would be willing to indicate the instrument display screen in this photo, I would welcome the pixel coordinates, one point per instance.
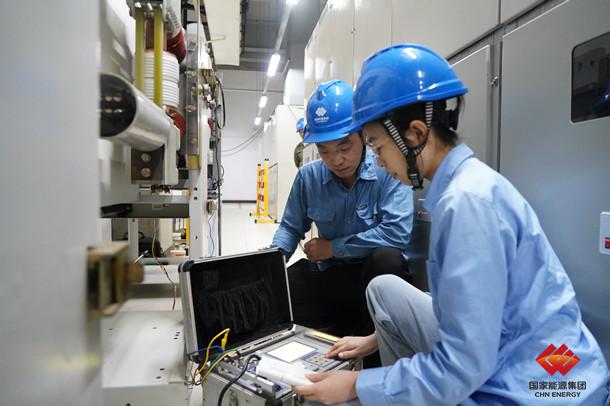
(291, 351)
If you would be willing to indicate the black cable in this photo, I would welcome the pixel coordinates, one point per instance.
(222, 105)
(240, 147)
(254, 135)
(235, 152)
(232, 381)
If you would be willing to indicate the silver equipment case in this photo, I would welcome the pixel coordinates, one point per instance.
(249, 294)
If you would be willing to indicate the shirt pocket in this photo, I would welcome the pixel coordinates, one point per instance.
(368, 214)
(320, 215)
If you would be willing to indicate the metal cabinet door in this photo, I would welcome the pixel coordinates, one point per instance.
(309, 66)
(444, 25)
(562, 168)
(474, 126)
(342, 40)
(330, 52)
(323, 47)
(372, 29)
(50, 202)
(511, 8)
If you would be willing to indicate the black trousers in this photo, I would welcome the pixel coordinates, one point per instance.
(334, 300)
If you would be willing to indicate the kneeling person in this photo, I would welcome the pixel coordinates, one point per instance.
(363, 217)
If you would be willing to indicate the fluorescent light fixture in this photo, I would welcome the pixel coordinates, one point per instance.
(273, 63)
(262, 102)
(257, 121)
(292, 2)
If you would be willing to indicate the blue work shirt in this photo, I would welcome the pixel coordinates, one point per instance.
(500, 296)
(376, 212)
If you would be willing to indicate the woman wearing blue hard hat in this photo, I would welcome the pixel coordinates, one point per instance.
(501, 324)
(363, 217)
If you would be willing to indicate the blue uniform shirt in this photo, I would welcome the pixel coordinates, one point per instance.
(376, 212)
(500, 296)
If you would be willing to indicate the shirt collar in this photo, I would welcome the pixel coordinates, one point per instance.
(444, 174)
(366, 171)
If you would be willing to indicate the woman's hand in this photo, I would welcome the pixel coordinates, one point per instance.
(353, 347)
(330, 387)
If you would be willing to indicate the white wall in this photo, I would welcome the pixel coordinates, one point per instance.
(277, 145)
(242, 93)
(240, 170)
(294, 87)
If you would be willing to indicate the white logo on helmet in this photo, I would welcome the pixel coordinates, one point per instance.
(321, 113)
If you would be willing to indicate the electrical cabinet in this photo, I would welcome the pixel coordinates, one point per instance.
(372, 29)
(323, 33)
(309, 73)
(341, 19)
(329, 54)
(50, 202)
(560, 166)
(511, 8)
(474, 126)
(444, 25)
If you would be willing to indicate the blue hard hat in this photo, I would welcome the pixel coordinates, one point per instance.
(305, 132)
(401, 75)
(300, 124)
(329, 112)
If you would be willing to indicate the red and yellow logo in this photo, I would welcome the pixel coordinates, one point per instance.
(554, 359)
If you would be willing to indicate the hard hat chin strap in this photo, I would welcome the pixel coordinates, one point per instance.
(410, 153)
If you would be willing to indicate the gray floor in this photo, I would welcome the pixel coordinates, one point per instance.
(240, 233)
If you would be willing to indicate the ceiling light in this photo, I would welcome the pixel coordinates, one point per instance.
(262, 102)
(292, 2)
(273, 63)
(257, 121)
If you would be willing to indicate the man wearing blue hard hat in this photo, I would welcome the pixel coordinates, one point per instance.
(298, 150)
(501, 323)
(363, 217)
(300, 126)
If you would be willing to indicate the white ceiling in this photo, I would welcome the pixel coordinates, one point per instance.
(224, 21)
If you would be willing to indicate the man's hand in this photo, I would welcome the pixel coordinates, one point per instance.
(353, 347)
(330, 387)
(318, 249)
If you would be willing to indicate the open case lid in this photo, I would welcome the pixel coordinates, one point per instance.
(247, 293)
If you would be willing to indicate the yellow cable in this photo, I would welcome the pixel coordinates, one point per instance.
(223, 341)
(207, 353)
